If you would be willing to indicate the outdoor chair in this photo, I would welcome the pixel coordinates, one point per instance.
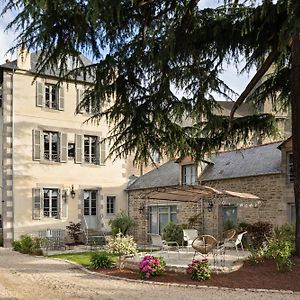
(158, 243)
(189, 235)
(228, 235)
(204, 244)
(235, 242)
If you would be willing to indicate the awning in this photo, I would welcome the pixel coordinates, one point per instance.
(194, 193)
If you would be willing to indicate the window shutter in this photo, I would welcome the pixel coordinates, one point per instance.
(37, 144)
(40, 93)
(80, 95)
(63, 145)
(78, 148)
(102, 152)
(63, 206)
(61, 94)
(36, 204)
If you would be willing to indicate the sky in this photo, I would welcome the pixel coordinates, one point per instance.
(7, 38)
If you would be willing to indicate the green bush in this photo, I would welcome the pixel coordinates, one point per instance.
(281, 251)
(100, 260)
(228, 224)
(285, 232)
(28, 245)
(121, 223)
(199, 269)
(173, 233)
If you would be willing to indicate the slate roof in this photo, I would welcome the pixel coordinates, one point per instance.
(33, 61)
(258, 160)
(166, 175)
(254, 161)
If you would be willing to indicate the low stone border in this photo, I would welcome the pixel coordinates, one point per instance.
(177, 284)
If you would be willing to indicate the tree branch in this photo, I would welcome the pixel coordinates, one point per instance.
(251, 85)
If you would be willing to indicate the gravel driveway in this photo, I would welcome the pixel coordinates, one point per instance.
(26, 277)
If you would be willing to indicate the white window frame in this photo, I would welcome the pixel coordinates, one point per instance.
(111, 204)
(157, 214)
(50, 133)
(52, 89)
(192, 177)
(90, 206)
(90, 158)
(57, 216)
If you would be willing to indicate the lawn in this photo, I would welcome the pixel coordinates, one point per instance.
(82, 258)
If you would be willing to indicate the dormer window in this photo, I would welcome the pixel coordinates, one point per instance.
(189, 174)
(290, 167)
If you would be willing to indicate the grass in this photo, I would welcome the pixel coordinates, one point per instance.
(82, 258)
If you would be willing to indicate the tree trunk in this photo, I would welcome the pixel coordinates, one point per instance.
(295, 104)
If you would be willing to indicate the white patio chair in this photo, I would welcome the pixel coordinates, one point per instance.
(158, 243)
(189, 235)
(235, 242)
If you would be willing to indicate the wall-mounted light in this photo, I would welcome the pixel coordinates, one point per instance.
(141, 209)
(72, 192)
(210, 206)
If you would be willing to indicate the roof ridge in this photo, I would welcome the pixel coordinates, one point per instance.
(250, 147)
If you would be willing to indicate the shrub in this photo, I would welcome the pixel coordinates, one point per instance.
(121, 223)
(228, 224)
(121, 245)
(199, 269)
(74, 231)
(173, 233)
(100, 260)
(28, 245)
(285, 232)
(280, 251)
(151, 266)
(257, 255)
(258, 233)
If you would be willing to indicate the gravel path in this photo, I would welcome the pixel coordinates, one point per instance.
(26, 277)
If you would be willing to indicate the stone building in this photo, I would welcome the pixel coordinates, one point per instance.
(168, 193)
(53, 164)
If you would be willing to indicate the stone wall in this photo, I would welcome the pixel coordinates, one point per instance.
(270, 188)
(273, 206)
(138, 199)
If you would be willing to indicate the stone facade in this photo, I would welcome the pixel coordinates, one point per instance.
(139, 206)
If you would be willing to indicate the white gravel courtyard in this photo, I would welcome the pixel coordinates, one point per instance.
(27, 277)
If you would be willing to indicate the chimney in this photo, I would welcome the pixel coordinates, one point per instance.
(23, 61)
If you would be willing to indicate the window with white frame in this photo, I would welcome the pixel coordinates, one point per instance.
(90, 149)
(189, 175)
(290, 167)
(159, 216)
(90, 203)
(71, 151)
(50, 203)
(110, 204)
(51, 146)
(51, 96)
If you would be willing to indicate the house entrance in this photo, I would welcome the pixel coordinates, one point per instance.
(90, 208)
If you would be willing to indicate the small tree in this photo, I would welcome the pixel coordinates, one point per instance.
(121, 223)
(173, 233)
(74, 231)
(121, 245)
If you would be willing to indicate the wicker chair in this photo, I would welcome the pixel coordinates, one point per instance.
(228, 235)
(204, 244)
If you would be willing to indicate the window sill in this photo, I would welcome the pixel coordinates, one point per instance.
(46, 109)
(49, 162)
